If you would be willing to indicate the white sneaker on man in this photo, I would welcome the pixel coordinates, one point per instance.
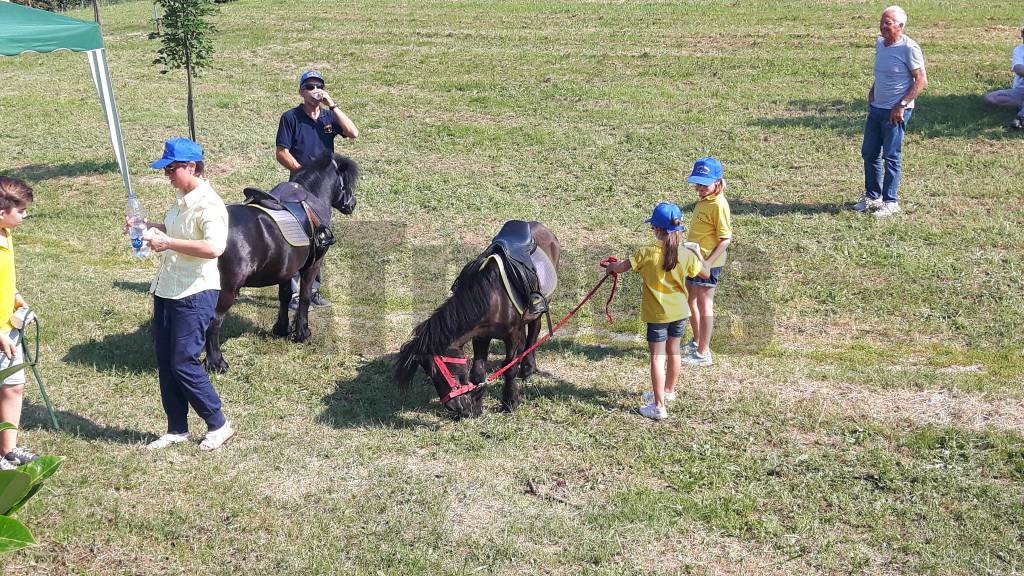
(653, 412)
(867, 204)
(697, 359)
(888, 209)
(167, 440)
(649, 396)
(216, 438)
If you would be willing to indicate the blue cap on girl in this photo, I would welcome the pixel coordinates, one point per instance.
(665, 216)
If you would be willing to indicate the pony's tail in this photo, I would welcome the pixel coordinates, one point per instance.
(405, 365)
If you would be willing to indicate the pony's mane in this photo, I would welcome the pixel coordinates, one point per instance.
(312, 175)
(469, 303)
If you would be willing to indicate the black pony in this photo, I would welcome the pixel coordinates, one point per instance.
(257, 254)
(479, 309)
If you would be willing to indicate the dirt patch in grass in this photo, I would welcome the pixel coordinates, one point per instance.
(942, 407)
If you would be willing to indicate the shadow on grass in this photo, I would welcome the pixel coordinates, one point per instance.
(35, 416)
(942, 116)
(37, 172)
(142, 287)
(372, 397)
(133, 352)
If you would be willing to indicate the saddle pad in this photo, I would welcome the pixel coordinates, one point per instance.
(546, 273)
(289, 226)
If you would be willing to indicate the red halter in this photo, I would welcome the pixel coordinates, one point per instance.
(454, 387)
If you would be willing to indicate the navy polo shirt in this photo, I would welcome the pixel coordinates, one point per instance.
(306, 138)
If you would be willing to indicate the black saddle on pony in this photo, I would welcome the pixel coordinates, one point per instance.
(514, 244)
(313, 216)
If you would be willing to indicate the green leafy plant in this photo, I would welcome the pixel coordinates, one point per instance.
(185, 37)
(16, 487)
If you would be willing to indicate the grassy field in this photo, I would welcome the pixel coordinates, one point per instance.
(865, 411)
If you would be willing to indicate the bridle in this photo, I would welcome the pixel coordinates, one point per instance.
(455, 388)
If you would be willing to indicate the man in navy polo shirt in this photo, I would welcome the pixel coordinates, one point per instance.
(307, 132)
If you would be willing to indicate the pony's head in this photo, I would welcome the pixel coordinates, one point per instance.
(449, 372)
(331, 177)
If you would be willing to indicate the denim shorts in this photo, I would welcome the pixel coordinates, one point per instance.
(709, 282)
(665, 330)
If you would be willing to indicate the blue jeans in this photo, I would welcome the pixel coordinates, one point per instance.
(883, 143)
(179, 331)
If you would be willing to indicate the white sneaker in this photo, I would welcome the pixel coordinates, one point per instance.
(697, 359)
(888, 209)
(216, 438)
(689, 347)
(649, 396)
(653, 412)
(867, 204)
(6, 464)
(167, 440)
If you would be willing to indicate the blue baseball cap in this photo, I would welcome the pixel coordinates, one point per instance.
(665, 216)
(311, 74)
(179, 150)
(706, 171)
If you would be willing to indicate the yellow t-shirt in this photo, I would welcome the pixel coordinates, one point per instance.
(711, 223)
(8, 279)
(664, 292)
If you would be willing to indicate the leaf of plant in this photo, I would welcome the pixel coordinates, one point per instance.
(16, 368)
(14, 485)
(32, 492)
(7, 426)
(13, 534)
(42, 468)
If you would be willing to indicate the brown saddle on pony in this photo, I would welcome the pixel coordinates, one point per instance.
(312, 216)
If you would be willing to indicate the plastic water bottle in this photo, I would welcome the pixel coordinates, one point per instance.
(136, 226)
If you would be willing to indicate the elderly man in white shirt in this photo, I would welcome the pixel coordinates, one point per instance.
(899, 78)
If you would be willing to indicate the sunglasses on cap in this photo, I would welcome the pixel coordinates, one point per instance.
(312, 86)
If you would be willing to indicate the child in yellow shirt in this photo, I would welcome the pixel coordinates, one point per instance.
(664, 267)
(15, 196)
(711, 228)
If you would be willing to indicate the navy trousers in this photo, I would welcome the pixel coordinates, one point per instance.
(179, 333)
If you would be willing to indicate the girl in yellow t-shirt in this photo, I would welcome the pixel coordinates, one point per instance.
(711, 228)
(664, 267)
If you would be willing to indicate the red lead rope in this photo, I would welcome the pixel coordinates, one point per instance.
(615, 287)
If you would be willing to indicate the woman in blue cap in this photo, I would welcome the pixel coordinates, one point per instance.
(711, 228)
(663, 266)
(185, 293)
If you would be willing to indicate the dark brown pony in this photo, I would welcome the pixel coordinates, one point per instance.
(257, 254)
(478, 310)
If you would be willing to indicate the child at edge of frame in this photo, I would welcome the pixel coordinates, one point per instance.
(15, 196)
(664, 266)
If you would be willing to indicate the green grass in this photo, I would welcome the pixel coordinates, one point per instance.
(863, 415)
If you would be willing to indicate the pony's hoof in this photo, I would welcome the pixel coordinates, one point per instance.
(280, 330)
(218, 367)
(301, 335)
(527, 370)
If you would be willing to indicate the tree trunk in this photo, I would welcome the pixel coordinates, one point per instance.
(96, 10)
(191, 110)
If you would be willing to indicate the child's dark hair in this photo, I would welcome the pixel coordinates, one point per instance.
(14, 193)
(670, 240)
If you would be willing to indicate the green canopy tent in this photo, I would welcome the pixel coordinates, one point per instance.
(24, 29)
